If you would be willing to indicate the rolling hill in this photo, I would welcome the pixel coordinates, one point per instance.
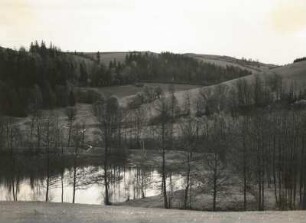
(291, 74)
(294, 72)
(223, 61)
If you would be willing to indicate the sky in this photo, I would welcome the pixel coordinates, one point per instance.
(271, 31)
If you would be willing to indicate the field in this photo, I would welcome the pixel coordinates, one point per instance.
(224, 61)
(129, 90)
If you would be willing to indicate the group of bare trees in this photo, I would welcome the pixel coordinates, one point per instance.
(262, 139)
(263, 154)
(251, 136)
(253, 132)
(271, 156)
(45, 136)
(108, 113)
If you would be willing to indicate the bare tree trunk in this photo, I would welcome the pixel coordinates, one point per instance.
(62, 184)
(69, 133)
(48, 158)
(164, 184)
(244, 173)
(48, 178)
(106, 183)
(74, 179)
(215, 174)
(187, 180)
(304, 177)
(17, 187)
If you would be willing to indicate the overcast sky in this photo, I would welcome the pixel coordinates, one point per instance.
(272, 31)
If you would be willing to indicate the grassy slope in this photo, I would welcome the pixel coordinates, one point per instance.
(129, 90)
(224, 61)
(125, 92)
(34, 212)
(295, 73)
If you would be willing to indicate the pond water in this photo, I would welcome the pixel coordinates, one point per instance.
(31, 179)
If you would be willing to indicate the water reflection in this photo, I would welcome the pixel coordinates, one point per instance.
(26, 179)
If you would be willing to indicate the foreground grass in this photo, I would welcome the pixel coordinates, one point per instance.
(34, 212)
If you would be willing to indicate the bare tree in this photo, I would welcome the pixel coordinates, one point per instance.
(241, 156)
(107, 113)
(11, 140)
(38, 131)
(215, 177)
(189, 128)
(47, 140)
(78, 136)
(70, 113)
(2, 132)
(162, 107)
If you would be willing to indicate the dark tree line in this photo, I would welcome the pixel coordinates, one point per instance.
(40, 78)
(299, 60)
(169, 67)
(165, 67)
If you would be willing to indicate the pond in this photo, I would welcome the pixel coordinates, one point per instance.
(30, 178)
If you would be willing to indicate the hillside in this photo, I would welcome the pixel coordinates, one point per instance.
(35, 212)
(291, 74)
(295, 72)
(46, 77)
(224, 61)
